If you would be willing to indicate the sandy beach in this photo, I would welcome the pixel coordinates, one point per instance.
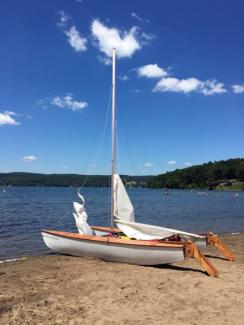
(57, 289)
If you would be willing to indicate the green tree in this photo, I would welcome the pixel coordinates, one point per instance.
(240, 172)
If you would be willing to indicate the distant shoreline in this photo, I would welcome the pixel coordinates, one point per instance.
(5, 186)
(68, 180)
(217, 175)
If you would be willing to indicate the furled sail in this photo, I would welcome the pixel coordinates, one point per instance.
(81, 219)
(122, 205)
(149, 232)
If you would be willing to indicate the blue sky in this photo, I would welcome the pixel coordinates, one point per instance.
(180, 84)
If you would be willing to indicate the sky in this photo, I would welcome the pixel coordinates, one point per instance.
(179, 84)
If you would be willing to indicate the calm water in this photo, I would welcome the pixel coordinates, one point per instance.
(26, 210)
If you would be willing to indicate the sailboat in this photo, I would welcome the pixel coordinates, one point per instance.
(111, 244)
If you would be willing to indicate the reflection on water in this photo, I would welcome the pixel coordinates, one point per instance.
(26, 210)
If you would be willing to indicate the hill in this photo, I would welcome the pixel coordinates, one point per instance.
(228, 174)
(34, 179)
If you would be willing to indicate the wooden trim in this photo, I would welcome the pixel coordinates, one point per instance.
(114, 240)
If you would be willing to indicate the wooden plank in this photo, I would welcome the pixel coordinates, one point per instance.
(214, 240)
(191, 250)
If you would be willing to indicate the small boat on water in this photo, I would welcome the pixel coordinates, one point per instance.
(131, 242)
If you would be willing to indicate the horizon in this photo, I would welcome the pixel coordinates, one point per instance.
(180, 85)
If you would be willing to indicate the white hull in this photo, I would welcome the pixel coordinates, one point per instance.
(124, 251)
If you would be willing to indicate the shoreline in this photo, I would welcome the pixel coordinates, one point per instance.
(194, 189)
(59, 289)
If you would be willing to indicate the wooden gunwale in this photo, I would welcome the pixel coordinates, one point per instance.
(113, 240)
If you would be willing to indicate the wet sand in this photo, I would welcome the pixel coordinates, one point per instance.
(59, 289)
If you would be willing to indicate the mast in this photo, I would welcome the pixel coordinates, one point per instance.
(113, 158)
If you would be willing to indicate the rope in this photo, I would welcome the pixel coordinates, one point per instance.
(59, 219)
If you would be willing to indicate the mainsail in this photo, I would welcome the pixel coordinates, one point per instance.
(123, 209)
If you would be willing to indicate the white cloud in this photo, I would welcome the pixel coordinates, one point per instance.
(171, 162)
(188, 164)
(10, 113)
(29, 158)
(138, 18)
(238, 89)
(211, 87)
(68, 102)
(76, 40)
(123, 78)
(43, 102)
(104, 60)
(176, 85)
(151, 71)
(148, 165)
(7, 119)
(208, 87)
(126, 43)
(63, 19)
(147, 37)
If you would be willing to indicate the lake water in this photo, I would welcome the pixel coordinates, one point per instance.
(26, 210)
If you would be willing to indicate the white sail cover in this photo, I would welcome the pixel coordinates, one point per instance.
(81, 219)
(142, 231)
(122, 204)
(80, 210)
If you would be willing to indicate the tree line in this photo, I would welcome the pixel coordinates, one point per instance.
(208, 175)
(59, 180)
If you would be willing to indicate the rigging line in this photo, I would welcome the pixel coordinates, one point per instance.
(105, 123)
(100, 145)
(62, 217)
